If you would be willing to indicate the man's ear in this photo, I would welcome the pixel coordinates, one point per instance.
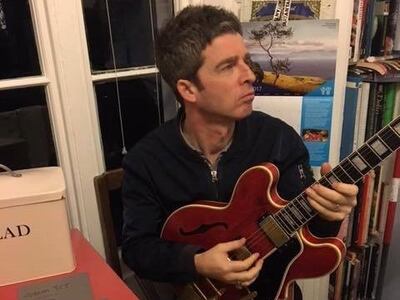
(187, 90)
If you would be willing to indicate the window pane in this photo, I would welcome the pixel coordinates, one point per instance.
(131, 33)
(164, 11)
(140, 112)
(18, 54)
(25, 134)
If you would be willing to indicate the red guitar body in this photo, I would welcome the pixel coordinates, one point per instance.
(207, 223)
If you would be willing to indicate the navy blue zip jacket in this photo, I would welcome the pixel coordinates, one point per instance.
(162, 174)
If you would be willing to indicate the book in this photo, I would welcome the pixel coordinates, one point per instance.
(392, 201)
(376, 200)
(360, 8)
(372, 270)
(336, 282)
(393, 32)
(364, 202)
(362, 119)
(381, 13)
(389, 222)
(388, 105)
(369, 29)
(351, 275)
(375, 110)
(349, 125)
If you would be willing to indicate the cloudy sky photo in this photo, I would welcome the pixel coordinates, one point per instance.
(311, 49)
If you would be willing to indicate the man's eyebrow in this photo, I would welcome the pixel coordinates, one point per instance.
(228, 60)
(232, 59)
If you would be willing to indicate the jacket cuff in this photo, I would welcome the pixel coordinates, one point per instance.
(187, 260)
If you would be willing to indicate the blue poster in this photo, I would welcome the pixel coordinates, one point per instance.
(316, 119)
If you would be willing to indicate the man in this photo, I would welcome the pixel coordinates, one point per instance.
(201, 154)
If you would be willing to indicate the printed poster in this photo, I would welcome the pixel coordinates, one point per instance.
(298, 63)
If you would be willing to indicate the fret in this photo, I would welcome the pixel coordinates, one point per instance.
(331, 177)
(351, 170)
(369, 156)
(379, 147)
(304, 204)
(389, 136)
(282, 223)
(325, 182)
(301, 208)
(292, 226)
(292, 214)
(342, 175)
(297, 212)
(396, 127)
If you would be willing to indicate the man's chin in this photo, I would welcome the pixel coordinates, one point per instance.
(244, 113)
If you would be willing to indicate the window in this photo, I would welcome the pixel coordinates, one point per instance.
(127, 115)
(121, 36)
(26, 139)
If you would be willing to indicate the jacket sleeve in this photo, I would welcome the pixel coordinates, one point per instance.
(143, 250)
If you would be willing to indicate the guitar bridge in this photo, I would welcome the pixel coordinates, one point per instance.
(274, 232)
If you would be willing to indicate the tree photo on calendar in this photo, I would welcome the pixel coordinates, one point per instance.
(297, 60)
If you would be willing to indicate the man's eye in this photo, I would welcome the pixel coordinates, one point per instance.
(228, 66)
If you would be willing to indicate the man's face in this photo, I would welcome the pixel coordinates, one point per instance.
(226, 90)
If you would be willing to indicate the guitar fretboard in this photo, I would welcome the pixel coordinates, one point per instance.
(298, 212)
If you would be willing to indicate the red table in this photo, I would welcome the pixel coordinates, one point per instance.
(105, 284)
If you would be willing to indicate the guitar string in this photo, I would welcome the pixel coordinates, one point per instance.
(258, 235)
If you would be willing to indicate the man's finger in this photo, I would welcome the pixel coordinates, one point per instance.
(232, 245)
(244, 265)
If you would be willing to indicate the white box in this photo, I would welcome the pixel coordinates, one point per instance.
(35, 238)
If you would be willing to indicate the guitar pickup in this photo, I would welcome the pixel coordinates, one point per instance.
(274, 231)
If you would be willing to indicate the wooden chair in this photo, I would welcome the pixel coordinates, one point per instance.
(108, 193)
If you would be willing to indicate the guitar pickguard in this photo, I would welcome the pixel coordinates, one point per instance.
(275, 268)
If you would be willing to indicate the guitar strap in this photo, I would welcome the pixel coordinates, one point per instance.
(282, 11)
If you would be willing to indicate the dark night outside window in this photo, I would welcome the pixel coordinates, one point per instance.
(26, 140)
(140, 109)
(131, 32)
(18, 53)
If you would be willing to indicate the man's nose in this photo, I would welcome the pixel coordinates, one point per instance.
(247, 74)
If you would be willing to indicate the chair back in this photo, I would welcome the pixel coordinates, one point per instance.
(108, 194)
(107, 185)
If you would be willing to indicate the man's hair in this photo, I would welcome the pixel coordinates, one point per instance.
(182, 40)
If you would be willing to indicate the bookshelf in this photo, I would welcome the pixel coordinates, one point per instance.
(370, 268)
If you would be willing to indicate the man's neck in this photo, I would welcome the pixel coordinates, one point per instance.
(210, 138)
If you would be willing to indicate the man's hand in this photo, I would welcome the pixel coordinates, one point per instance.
(216, 264)
(332, 204)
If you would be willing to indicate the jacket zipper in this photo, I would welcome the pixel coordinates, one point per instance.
(213, 172)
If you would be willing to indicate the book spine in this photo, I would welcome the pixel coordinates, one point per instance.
(388, 106)
(349, 119)
(359, 11)
(370, 124)
(368, 29)
(364, 209)
(365, 91)
(392, 201)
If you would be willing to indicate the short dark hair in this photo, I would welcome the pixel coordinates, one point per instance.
(182, 40)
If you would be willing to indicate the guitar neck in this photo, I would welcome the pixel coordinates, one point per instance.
(350, 170)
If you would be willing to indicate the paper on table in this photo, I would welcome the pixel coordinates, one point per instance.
(75, 287)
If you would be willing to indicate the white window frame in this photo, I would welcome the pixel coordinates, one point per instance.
(63, 54)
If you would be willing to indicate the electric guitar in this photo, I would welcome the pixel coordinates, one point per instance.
(272, 226)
